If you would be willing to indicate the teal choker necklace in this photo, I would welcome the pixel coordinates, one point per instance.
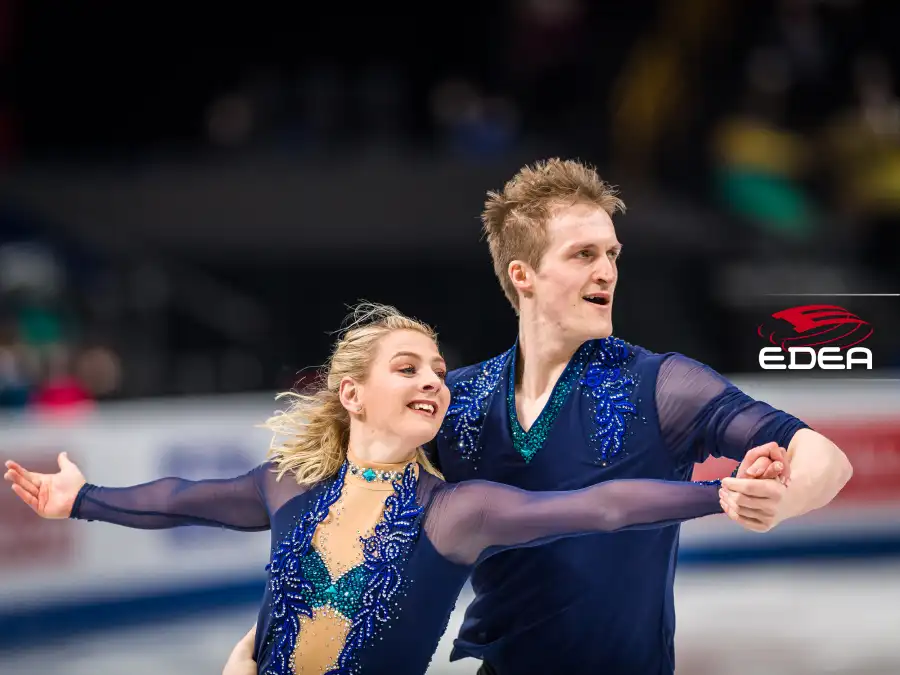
(370, 475)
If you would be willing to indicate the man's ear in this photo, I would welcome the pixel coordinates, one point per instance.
(522, 276)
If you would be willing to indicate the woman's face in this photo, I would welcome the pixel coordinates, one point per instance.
(404, 395)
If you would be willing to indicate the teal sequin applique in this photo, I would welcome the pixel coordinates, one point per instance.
(528, 443)
(343, 594)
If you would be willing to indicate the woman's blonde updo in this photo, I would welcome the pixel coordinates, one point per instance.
(311, 436)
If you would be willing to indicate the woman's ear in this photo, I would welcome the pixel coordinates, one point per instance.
(351, 393)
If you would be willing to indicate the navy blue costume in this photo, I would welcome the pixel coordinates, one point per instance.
(600, 603)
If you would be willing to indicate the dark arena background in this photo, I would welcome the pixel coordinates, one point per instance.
(191, 196)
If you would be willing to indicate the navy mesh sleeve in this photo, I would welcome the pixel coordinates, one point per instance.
(470, 521)
(701, 414)
(234, 503)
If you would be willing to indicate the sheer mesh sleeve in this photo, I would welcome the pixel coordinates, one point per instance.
(701, 414)
(234, 503)
(470, 521)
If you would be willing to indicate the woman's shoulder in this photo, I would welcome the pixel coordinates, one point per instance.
(429, 486)
(282, 488)
(430, 480)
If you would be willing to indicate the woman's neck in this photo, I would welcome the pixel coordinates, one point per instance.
(375, 452)
(365, 460)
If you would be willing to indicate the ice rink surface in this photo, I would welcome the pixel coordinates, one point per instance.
(766, 619)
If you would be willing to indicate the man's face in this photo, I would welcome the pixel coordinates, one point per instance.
(574, 284)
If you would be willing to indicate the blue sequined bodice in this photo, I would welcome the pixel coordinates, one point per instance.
(366, 595)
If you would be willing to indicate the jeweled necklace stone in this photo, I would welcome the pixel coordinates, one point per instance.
(371, 475)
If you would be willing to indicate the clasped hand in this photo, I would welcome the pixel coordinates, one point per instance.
(755, 497)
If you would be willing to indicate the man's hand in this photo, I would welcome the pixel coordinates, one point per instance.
(241, 660)
(753, 503)
(766, 461)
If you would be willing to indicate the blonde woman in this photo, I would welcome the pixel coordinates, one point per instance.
(370, 547)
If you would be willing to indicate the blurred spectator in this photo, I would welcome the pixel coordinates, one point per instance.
(547, 59)
(382, 103)
(804, 39)
(230, 120)
(864, 145)
(655, 93)
(40, 325)
(649, 98)
(15, 384)
(759, 163)
(99, 370)
(60, 390)
(8, 140)
(41, 364)
(29, 268)
(471, 124)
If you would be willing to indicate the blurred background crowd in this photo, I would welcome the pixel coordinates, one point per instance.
(190, 196)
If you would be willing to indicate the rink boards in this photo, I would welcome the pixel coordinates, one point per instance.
(59, 576)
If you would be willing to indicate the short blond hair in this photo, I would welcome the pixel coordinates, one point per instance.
(310, 437)
(515, 220)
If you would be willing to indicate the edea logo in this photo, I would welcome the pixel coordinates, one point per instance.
(811, 336)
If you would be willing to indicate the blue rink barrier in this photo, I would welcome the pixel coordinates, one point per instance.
(37, 625)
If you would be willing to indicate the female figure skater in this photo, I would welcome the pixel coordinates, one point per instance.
(370, 547)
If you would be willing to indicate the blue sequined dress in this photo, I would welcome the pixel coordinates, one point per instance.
(397, 602)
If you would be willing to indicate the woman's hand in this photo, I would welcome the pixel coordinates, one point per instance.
(241, 660)
(50, 495)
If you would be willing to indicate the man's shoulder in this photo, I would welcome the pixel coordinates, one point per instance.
(639, 353)
(616, 351)
(671, 369)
